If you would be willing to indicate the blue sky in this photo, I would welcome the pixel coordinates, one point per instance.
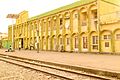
(34, 7)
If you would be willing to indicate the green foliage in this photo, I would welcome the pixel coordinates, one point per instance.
(6, 44)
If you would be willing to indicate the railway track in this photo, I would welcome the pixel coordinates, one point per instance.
(51, 68)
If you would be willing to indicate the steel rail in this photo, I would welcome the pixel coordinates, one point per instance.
(30, 61)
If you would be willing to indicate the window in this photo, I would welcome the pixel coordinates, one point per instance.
(67, 23)
(84, 19)
(85, 42)
(84, 23)
(94, 14)
(61, 21)
(76, 15)
(95, 42)
(118, 36)
(49, 26)
(95, 47)
(44, 27)
(76, 42)
(54, 24)
(106, 44)
(68, 41)
(84, 16)
(107, 37)
(95, 39)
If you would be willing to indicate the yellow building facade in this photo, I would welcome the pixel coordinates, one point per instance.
(84, 26)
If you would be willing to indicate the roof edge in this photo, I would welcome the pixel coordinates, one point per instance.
(69, 6)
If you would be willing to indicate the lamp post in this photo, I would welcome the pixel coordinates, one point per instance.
(12, 16)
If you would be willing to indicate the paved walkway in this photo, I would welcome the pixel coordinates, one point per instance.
(97, 61)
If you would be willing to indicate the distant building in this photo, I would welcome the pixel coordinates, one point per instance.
(84, 26)
(2, 36)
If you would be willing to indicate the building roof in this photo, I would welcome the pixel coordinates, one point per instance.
(78, 3)
(115, 2)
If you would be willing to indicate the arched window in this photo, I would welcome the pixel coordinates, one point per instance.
(76, 42)
(85, 42)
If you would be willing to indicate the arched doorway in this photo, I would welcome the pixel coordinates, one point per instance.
(60, 42)
(106, 41)
(84, 42)
(44, 43)
(67, 42)
(54, 43)
(117, 40)
(94, 42)
(75, 42)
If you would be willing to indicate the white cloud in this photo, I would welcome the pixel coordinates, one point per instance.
(34, 7)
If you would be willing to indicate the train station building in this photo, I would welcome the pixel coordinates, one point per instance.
(83, 26)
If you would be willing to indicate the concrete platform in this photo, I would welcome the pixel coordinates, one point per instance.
(103, 62)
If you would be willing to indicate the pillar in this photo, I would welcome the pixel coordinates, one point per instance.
(112, 42)
(57, 31)
(89, 26)
(46, 34)
(71, 30)
(63, 31)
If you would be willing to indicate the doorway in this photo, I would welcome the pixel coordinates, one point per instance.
(21, 42)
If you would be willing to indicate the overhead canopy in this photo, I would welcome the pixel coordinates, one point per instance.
(14, 16)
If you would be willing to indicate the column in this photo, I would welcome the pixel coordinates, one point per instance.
(27, 34)
(63, 32)
(89, 26)
(112, 42)
(98, 25)
(57, 31)
(41, 34)
(79, 31)
(51, 42)
(46, 34)
(37, 36)
(71, 29)
(33, 34)
(30, 34)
